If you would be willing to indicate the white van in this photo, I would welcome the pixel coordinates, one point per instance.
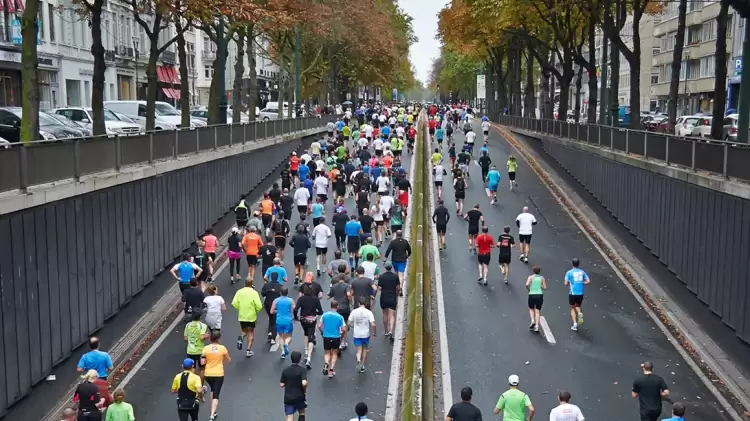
(167, 116)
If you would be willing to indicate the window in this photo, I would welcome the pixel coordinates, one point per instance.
(695, 5)
(191, 56)
(208, 72)
(729, 26)
(693, 35)
(654, 77)
(683, 70)
(708, 31)
(41, 20)
(206, 44)
(51, 19)
(656, 51)
(693, 69)
(707, 66)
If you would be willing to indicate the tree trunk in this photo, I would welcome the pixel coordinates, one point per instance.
(282, 92)
(239, 71)
(614, 85)
(252, 94)
(184, 78)
(591, 68)
(517, 86)
(565, 80)
(552, 89)
(501, 92)
(720, 80)
(214, 94)
(29, 73)
(577, 105)
(97, 50)
(635, 75)
(153, 84)
(674, 81)
(512, 81)
(529, 100)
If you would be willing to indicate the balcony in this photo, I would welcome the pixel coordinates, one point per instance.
(168, 57)
(208, 55)
(109, 56)
(123, 51)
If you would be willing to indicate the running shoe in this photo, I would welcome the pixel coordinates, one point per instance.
(325, 369)
(485, 282)
(479, 280)
(574, 328)
(286, 349)
(532, 325)
(239, 342)
(362, 368)
(359, 366)
(308, 364)
(536, 328)
(249, 354)
(580, 317)
(331, 373)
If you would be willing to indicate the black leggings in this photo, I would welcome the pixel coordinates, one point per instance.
(215, 383)
(340, 239)
(234, 267)
(271, 323)
(192, 414)
(87, 415)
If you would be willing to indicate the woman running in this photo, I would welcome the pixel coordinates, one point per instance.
(307, 311)
(536, 284)
(234, 254)
(214, 355)
(215, 306)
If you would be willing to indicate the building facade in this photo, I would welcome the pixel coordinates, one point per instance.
(698, 69)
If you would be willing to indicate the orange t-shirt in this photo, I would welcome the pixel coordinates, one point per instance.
(334, 172)
(266, 207)
(211, 243)
(388, 162)
(252, 243)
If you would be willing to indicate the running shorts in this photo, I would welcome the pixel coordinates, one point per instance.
(441, 228)
(504, 259)
(352, 244)
(247, 325)
(493, 188)
(300, 259)
(473, 229)
(321, 251)
(536, 301)
(297, 406)
(215, 383)
(575, 300)
(302, 209)
(251, 260)
(461, 194)
(524, 238)
(330, 344)
(484, 259)
(438, 183)
(511, 176)
(284, 328)
(361, 341)
(308, 328)
(432, 131)
(486, 133)
(280, 242)
(388, 303)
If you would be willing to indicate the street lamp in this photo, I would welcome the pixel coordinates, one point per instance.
(135, 50)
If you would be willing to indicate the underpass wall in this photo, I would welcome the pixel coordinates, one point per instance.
(68, 266)
(700, 234)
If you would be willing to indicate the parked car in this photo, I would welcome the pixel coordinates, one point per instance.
(85, 117)
(729, 133)
(167, 117)
(49, 127)
(702, 127)
(202, 114)
(684, 125)
(272, 113)
(653, 123)
(70, 123)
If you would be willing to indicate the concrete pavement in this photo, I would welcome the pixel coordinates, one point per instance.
(487, 327)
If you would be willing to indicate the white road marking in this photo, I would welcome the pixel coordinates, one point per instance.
(486, 190)
(275, 347)
(547, 331)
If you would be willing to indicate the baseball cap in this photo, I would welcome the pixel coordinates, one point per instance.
(187, 363)
(388, 265)
(294, 153)
(513, 380)
(235, 229)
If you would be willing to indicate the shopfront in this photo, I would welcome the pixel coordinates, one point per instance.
(10, 78)
(49, 86)
(125, 83)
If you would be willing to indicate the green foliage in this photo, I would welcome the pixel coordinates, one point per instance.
(454, 72)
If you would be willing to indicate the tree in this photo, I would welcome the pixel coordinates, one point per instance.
(93, 11)
(720, 86)
(455, 73)
(29, 73)
(674, 81)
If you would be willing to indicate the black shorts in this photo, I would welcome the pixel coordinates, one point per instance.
(302, 209)
(438, 183)
(395, 228)
(300, 259)
(380, 223)
(212, 256)
(486, 133)
(344, 313)
(293, 173)
(251, 260)
(473, 230)
(308, 328)
(330, 134)
(442, 228)
(321, 251)
(575, 300)
(397, 152)
(247, 325)
(266, 220)
(460, 195)
(432, 131)
(196, 359)
(323, 197)
(484, 259)
(511, 176)
(215, 383)
(524, 239)
(536, 301)
(203, 276)
(388, 303)
(503, 259)
(352, 244)
(330, 344)
(378, 152)
(316, 221)
(279, 242)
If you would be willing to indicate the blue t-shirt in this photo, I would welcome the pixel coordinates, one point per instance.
(493, 177)
(576, 277)
(439, 133)
(332, 324)
(185, 271)
(276, 269)
(96, 360)
(375, 173)
(482, 150)
(674, 419)
(284, 310)
(339, 125)
(352, 228)
(317, 210)
(386, 131)
(303, 171)
(366, 169)
(309, 186)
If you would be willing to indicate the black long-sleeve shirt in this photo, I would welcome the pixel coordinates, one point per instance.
(400, 248)
(307, 306)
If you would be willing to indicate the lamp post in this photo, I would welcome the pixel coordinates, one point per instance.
(222, 69)
(135, 50)
(685, 91)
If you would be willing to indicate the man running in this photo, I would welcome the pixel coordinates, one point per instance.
(575, 279)
(248, 304)
(512, 165)
(294, 167)
(401, 250)
(300, 244)
(470, 139)
(332, 327)
(464, 158)
(321, 234)
(484, 244)
(306, 310)
(566, 411)
(484, 162)
(353, 231)
(251, 244)
(363, 322)
(440, 218)
(283, 308)
(389, 286)
(302, 198)
(535, 284)
(493, 180)
(459, 193)
(486, 129)
(475, 217)
(514, 404)
(504, 245)
(525, 221)
(213, 357)
(438, 172)
(294, 382)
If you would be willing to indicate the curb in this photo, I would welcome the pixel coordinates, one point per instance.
(681, 339)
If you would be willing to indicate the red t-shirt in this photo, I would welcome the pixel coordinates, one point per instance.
(484, 243)
(433, 124)
(411, 133)
(403, 198)
(294, 163)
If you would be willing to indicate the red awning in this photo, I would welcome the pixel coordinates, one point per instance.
(167, 92)
(175, 76)
(19, 5)
(162, 74)
(176, 94)
(11, 8)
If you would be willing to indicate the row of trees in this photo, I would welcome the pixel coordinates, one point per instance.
(334, 56)
(514, 39)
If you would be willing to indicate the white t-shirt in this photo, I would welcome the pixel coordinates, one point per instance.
(321, 234)
(383, 183)
(387, 146)
(368, 130)
(470, 137)
(320, 165)
(392, 120)
(301, 196)
(321, 185)
(348, 114)
(374, 116)
(370, 269)
(315, 148)
(330, 126)
(566, 412)
(439, 172)
(381, 118)
(378, 143)
(386, 202)
(400, 131)
(363, 143)
(213, 303)
(377, 214)
(525, 222)
(485, 126)
(305, 158)
(362, 319)
(354, 175)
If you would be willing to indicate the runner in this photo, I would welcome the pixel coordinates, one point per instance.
(436, 157)
(307, 310)
(276, 269)
(512, 167)
(283, 307)
(493, 180)
(514, 404)
(464, 158)
(332, 327)
(475, 217)
(195, 334)
(452, 155)
(234, 254)
(398, 214)
(321, 234)
(484, 162)
(459, 193)
(215, 306)
(185, 271)
(486, 129)
(294, 382)
(389, 286)
(203, 261)
(213, 357)
(363, 322)
(525, 221)
(241, 214)
(302, 198)
(386, 204)
(484, 243)
(280, 233)
(566, 411)
(270, 292)
(575, 279)
(294, 167)
(440, 218)
(363, 287)
(251, 244)
(465, 410)
(340, 219)
(438, 172)
(321, 187)
(187, 386)
(470, 139)
(341, 293)
(536, 284)
(368, 249)
(247, 302)
(378, 216)
(267, 207)
(401, 250)
(353, 230)
(300, 244)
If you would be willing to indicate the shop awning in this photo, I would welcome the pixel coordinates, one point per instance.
(163, 74)
(19, 5)
(176, 94)
(10, 6)
(168, 92)
(175, 76)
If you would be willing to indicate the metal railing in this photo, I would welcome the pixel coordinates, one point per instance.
(718, 157)
(25, 165)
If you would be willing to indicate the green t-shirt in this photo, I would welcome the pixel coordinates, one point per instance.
(346, 131)
(341, 152)
(535, 287)
(368, 249)
(193, 332)
(355, 135)
(397, 217)
(513, 403)
(120, 412)
(512, 165)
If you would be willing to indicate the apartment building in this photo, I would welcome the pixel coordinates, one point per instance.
(734, 71)
(697, 73)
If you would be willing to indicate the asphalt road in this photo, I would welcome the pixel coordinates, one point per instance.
(251, 388)
(488, 335)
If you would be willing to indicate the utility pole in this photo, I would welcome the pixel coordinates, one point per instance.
(222, 70)
(743, 125)
(297, 76)
(604, 63)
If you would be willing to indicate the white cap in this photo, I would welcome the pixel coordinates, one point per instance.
(513, 380)
(294, 153)
(235, 230)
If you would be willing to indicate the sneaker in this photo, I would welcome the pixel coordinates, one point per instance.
(273, 342)
(525, 259)
(286, 349)
(362, 368)
(479, 280)
(574, 328)
(485, 282)
(536, 328)
(283, 356)
(249, 354)
(331, 373)
(308, 364)
(521, 257)
(532, 325)
(325, 369)
(359, 366)
(239, 342)
(270, 338)
(505, 280)
(318, 273)
(580, 318)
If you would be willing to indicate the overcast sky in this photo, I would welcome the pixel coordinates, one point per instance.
(423, 52)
